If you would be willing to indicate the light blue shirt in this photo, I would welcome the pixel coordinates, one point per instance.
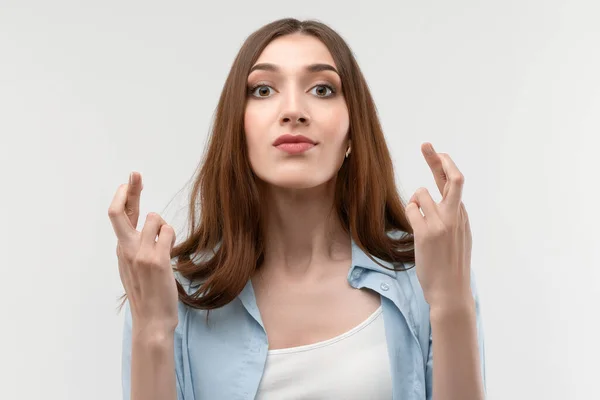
(225, 359)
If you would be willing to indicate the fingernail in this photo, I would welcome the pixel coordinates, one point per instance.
(131, 178)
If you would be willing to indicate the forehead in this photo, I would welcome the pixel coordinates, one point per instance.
(295, 51)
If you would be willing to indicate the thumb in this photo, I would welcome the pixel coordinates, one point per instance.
(166, 238)
(414, 216)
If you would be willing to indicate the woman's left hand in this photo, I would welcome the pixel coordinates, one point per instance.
(442, 236)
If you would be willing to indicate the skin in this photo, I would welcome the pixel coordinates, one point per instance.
(301, 289)
(443, 260)
(145, 271)
(298, 189)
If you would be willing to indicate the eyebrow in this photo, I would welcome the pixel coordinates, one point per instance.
(312, 68)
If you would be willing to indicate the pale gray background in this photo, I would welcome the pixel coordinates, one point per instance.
(90, 91)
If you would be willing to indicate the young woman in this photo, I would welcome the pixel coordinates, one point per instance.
(305, 276)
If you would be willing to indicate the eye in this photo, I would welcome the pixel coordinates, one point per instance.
(321, 90)
(263, 90)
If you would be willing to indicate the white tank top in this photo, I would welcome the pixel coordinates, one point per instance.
(353, 365)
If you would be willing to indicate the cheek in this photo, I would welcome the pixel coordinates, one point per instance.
(256, 131)
(334, 113)
(257, 118)
(338, 120)
(252, 126)
(250, 121)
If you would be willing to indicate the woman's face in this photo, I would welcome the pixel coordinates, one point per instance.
(294, 90)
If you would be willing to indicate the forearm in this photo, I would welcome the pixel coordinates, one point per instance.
(456, 362)
(153, 366)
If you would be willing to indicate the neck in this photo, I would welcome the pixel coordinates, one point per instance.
(303, 235)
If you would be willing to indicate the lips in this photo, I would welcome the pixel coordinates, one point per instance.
(293, 139)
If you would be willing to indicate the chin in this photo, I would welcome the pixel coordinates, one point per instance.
(295, 185)
(293, 181)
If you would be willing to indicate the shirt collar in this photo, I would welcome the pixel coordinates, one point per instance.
(362, 260)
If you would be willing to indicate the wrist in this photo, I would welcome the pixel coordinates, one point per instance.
(154, 341)
(152, 331)
(452, 309)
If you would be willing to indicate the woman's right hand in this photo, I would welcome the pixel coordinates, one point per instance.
(144, 261)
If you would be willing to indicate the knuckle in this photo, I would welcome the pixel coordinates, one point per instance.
(459, 178)
(143, 256)
(441, 230)
(437, 232)
(141, 260)
(139, 256)
(167, 228)
(152, 216)
(147, 261)
(113, 211)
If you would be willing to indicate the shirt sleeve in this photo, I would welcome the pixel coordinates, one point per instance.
(126, 359)
(480, 340)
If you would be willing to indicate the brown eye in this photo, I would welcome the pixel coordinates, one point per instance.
(323, 90)
(263, 91)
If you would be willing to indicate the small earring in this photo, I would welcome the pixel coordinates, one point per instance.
(348, 152)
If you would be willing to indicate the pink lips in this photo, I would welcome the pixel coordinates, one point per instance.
(295, 148)
(294, 144)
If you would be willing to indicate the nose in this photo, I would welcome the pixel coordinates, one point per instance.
(293, 112)
(295, 118)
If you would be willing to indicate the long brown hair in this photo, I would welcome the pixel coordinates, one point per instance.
(229, 230)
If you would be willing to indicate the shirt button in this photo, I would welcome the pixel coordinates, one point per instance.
(384, 286)
(356, 274)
